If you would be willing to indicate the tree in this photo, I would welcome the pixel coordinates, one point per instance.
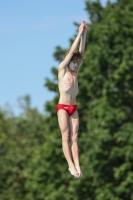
(19, 138)
(31, 160)
(105, 104)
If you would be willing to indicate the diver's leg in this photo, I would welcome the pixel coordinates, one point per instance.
(74, 126)
(63, 119)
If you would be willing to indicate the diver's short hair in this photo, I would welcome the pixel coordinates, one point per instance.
(76, 56)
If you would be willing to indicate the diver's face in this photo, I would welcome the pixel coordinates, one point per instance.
(74, 65)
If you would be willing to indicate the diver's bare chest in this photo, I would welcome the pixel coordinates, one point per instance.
(69, 81)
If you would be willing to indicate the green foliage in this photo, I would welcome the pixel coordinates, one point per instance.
(19, 137)
(31, 158)
(59, 53)
(52, 86)
(94, 10)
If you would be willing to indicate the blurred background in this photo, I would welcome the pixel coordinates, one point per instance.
(29, 33)
(33, 39)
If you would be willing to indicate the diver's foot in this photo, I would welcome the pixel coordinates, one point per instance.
(78, 170)
(73, 171)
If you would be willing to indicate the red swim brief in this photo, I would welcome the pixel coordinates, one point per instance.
(69, 108)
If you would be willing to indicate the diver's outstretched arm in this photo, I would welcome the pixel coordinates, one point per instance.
(73, 48)
(83, 39)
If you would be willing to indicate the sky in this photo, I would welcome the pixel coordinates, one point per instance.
(29, 32)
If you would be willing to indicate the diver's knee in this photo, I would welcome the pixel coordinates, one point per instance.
(65, 136)
(74, 137)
